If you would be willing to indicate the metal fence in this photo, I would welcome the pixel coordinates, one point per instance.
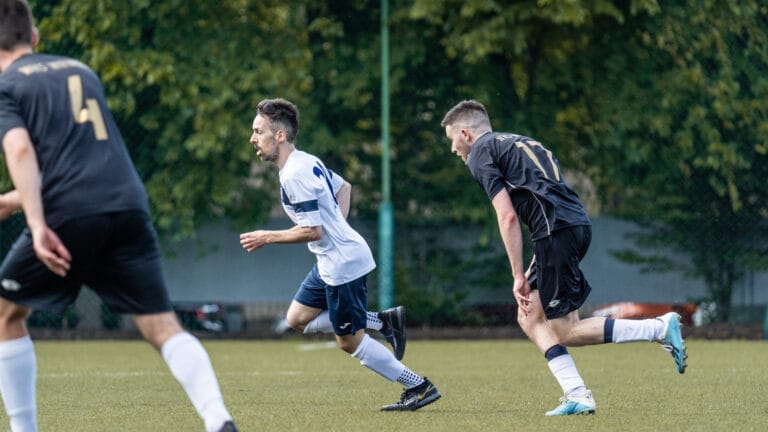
(709, 174)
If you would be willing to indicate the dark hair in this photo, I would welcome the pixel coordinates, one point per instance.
(468, 113)
(15, 24)
(282, 115)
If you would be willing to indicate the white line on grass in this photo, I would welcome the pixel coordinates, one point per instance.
(118, 374)
(316, 346)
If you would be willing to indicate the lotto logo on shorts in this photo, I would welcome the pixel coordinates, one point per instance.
(10, 285)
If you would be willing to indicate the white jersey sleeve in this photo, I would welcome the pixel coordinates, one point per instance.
(301, 196)
(337, 181)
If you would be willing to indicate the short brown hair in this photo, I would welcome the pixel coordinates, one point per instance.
(282, 114)
(469, 113)
(15, 24)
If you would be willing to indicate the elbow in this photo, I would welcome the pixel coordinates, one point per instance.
(508, 220)
(16, 152)
(345, 193)
(17, 145)
(347, 188)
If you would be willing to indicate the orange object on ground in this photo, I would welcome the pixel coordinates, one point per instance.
(633, 310)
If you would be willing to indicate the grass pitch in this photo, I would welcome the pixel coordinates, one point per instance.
(300, 385)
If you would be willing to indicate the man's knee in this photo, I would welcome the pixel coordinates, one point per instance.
(12, 312)
(158, 328)
(530, 320)
(347, 346)
(349, 343)
(298, 316)
(296, 321)
(13, 320)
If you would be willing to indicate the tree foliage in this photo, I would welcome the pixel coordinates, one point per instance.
(679, 114)
(662, 106)
(183, 79)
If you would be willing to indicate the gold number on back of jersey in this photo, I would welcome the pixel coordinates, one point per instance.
(88, 113)
(527, 147)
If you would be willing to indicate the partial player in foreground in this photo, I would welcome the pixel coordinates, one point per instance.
(524, 183)
(88, 222)
(333, 297)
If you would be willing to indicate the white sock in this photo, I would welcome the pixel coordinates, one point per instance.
(379, 359)
(191, 366)
(627, 330)
(410, 379)
(374, 323)
(564, 370)
(18, 373)
(321, 324)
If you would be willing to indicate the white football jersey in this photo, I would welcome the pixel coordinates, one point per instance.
(308, 193)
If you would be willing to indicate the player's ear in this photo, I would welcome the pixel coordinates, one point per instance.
(466, 134)
(35, 37)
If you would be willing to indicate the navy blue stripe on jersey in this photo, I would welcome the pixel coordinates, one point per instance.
(284, 197)
(322, 172)
(299, 207)
(305, 206)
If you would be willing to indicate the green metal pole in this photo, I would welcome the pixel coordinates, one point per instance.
(765, 326)
(386, 219)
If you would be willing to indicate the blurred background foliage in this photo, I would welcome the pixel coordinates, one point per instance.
(658, 112)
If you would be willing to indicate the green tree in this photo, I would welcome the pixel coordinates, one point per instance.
(664, 108)
(692, 166)
(183, 79)
(661, 106)
(429, 185)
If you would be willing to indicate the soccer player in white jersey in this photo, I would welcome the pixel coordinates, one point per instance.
(333, 296)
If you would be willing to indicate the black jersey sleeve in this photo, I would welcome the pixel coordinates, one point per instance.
(10, 116)
(484, 169)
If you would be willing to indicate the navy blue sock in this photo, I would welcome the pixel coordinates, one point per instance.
(608, 330)
(555, 351)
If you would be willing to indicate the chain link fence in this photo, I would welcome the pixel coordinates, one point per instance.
(707, 181)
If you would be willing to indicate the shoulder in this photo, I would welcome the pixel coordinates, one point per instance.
(490, 142)
(300, 157)
(481, 151)
(300, 166)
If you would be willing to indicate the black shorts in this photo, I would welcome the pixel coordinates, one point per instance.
(556, 275)
(115, 254)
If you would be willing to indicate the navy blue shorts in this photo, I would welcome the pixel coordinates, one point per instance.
(556, 275)
(115, 254)
(346, 303)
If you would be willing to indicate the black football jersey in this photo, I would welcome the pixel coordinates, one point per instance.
(531, 175)
(85, 166)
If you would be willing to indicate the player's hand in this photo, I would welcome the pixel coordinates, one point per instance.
(253, 240)
(51, 251)
(5, 212)
(522, 293)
